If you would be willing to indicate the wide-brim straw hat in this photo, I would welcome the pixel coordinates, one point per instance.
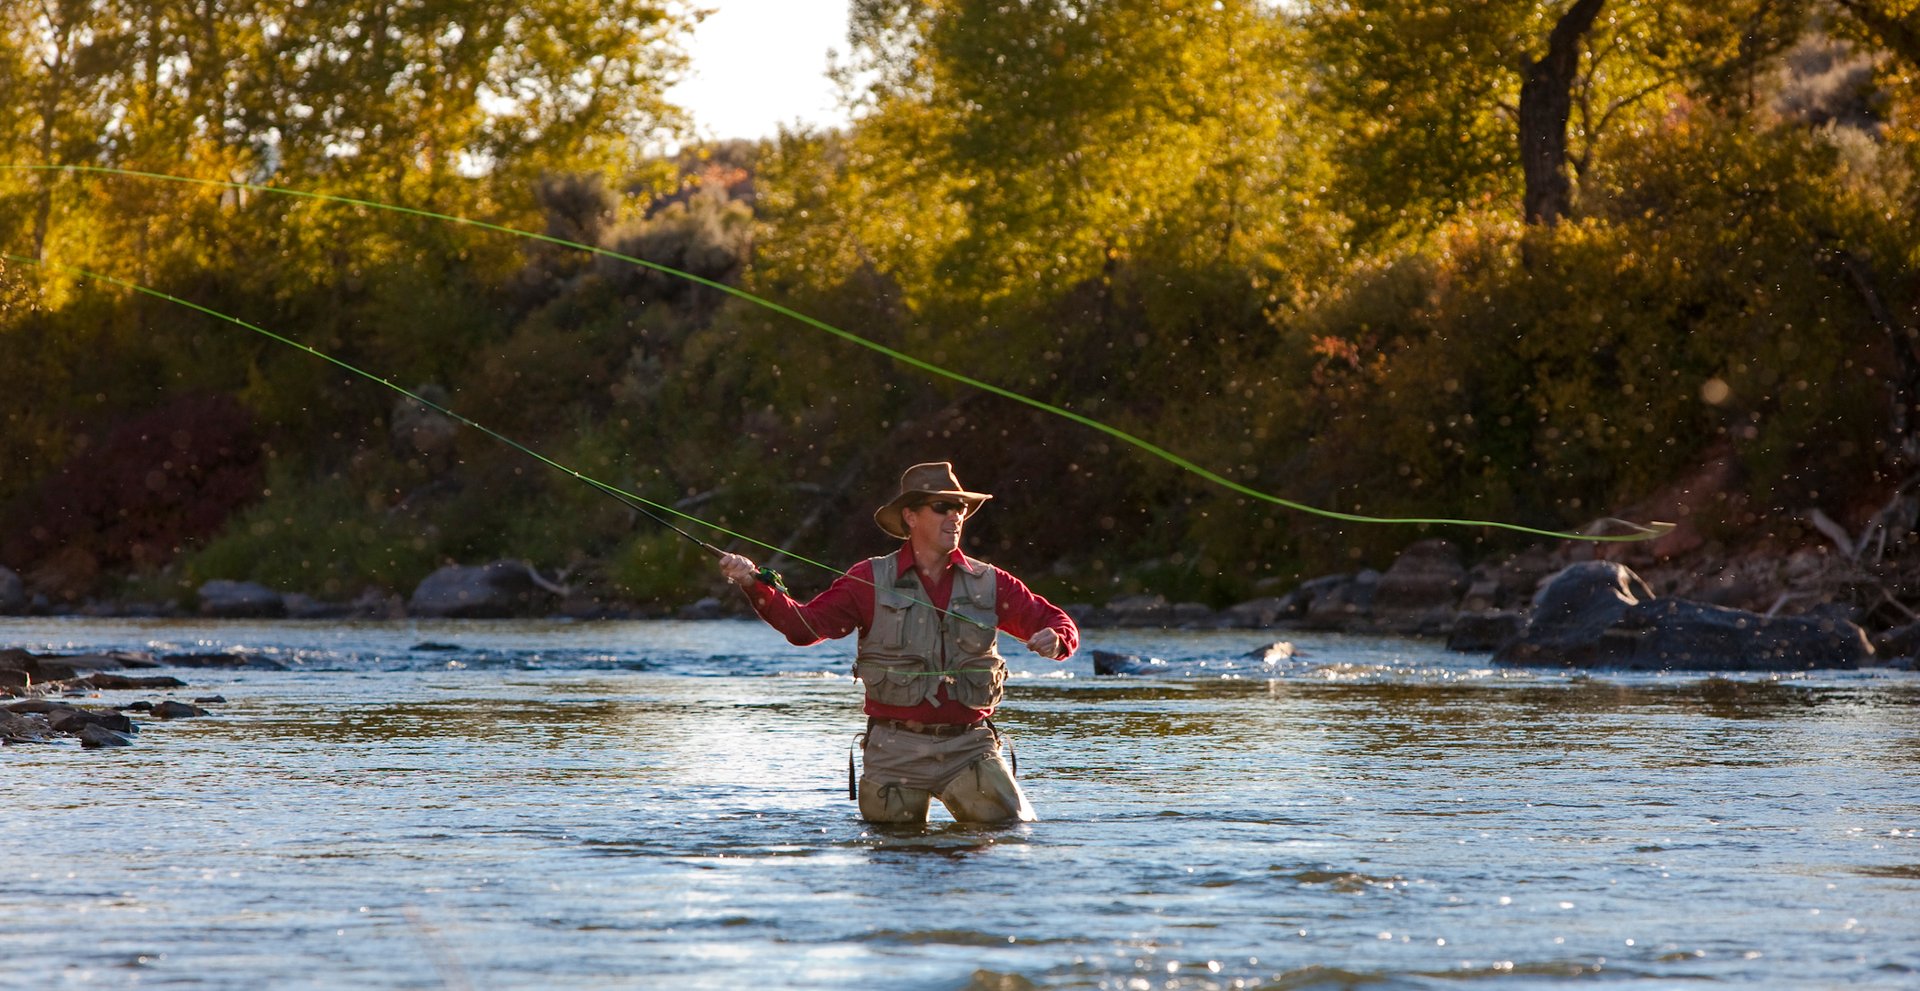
(925, 483)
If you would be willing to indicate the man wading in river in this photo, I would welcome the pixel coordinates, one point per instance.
(928, 653)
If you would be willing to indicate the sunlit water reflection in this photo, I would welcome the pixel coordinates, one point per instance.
(664, 805)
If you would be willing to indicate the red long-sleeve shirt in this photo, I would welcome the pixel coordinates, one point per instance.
(847, 605)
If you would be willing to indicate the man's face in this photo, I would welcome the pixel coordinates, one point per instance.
(937, 524)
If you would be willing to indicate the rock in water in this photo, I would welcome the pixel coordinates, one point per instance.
(1420, 592)
(1273, 653)
(1601, 614)
(112, 682)
(176, 710)
(1477, 632)
(1107, 662)
(13, 594)
(95, 736)
(222, 599)
(490, 591)
(25, 727)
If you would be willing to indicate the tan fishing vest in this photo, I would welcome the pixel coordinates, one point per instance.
(912, 648)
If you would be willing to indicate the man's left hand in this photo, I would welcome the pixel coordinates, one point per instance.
(1046, 643)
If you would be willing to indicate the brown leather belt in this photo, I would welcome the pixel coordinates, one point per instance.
(930, 729)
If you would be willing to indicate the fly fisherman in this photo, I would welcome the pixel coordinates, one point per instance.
(927, 654)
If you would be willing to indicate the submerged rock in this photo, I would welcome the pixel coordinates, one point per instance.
(115, 682)
(1107, 662)
(94, 736)
(21, 669)
(171, 709)
(71, 720)
(233, 659)
(25, 727)
(46, 721)
(1273, 653)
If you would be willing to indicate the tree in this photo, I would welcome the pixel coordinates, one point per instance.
(1426, 98)
(1044, 143)
(1545, 101)
(71, 49)
(428, 91)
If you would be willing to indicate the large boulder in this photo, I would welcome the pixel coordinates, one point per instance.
(303, 606)
(1578, 604)
(1140, 611)
(1601, 614)
(499, 589)
(1485, 632)
(223, 599)
(1255, 614)
(1341, 602)
(1108, 662)
(1899, 642)
(1420, 592)
(1510, 583)
(1676, 633)
(13, 593)
(1194, 616)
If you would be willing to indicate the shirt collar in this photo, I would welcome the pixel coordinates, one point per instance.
(955, 559)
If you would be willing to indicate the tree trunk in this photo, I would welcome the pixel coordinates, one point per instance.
(1546, 100)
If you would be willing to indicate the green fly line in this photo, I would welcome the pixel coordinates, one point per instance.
(640, 504)
(1638, 532)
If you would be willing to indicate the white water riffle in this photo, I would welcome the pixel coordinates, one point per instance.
(639, 805)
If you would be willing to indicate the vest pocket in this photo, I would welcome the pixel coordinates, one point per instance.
(973, 637)
(980, 682)
(889, 685)
(889, 623)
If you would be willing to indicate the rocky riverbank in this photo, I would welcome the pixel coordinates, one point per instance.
(1568, 607)
(1635, 607)
(1582, 605)
(47, 687)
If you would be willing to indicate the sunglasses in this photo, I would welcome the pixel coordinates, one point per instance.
(943, 507)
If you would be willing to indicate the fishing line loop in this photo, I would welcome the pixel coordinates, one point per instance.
(1637, 531)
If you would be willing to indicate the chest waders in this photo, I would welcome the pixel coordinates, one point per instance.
(912, 651)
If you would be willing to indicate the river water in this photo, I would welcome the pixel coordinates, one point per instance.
(663, 805)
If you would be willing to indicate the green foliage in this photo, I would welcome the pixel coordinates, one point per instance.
(1544, 376)
(1030, 149)
(1421, 98)
(660, 568)
(332, 537)
(1282, 241)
